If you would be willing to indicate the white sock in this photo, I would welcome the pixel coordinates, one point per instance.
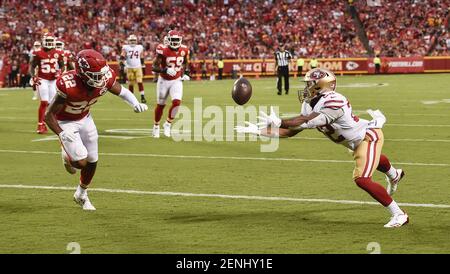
(142, 93)
(392, 173)
(394, 208)
(81, 190)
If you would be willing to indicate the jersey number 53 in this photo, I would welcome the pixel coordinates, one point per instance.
(175, 62)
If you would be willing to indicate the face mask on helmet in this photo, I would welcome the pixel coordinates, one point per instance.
(48, 42)
(174, 41)
(59, 45)
(97, 79)
(132, 40)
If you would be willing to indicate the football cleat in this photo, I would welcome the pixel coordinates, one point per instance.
(398, 220)
(392, 184)
(143, 99)
(156, 131)
(166, 127)
(69, 168)
(41, 129)
(83, 201)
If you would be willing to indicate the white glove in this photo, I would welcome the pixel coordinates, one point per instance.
(269, 120)
(250, 128)
(140, 108)
(378, 118)
(67, 136)
(185, 77)
(171, 71)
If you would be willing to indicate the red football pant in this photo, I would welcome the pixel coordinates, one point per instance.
(41, 112)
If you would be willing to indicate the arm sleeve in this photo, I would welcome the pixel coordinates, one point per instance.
(128, 97)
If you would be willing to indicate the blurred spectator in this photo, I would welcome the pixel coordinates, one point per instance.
(23, 70)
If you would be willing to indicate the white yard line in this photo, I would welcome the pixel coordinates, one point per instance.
(219, 157)
(223, 196)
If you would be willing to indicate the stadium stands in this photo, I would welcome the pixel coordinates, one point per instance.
(237, 29)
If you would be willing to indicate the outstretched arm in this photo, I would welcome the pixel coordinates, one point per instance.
(128, 97)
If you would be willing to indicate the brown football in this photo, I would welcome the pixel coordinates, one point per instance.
(242, 91)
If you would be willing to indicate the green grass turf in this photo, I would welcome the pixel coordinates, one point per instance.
(45, 221)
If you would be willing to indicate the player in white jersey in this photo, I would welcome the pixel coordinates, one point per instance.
(133, 57)
(331, 113)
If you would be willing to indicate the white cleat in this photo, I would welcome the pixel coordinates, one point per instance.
(83, 201)
(392, 184)
(69, 168)
(155, 131)
(166, 127)
(398, 220)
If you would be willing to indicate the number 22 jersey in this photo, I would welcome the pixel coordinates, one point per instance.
(79, 96)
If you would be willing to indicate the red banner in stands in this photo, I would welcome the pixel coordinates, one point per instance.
(400, 65)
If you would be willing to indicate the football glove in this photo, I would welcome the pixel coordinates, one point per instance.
(249, 128)
(269, 120)
(67, 136)
(140, 108)
(34, 81)
(171, 71)
(378, 118)
(185, 78)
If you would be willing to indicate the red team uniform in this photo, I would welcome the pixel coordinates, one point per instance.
(173, 56)
(48, 61)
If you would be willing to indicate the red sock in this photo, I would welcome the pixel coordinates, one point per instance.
(41, 113)
(158, 112)
(173, 109)
(375, 190)
(87, 173)
(141, 87)
(384, 164)
(131, 88)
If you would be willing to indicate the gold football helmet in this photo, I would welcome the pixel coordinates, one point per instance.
(317, 81)
(132, 39)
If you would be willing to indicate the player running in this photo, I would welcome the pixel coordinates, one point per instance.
(133, 57)
(171, 63)
(69, 117)
(67, 55)
(331, 113)
(48, 62)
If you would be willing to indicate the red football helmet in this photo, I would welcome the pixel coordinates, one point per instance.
(92, 68)
(174, 39)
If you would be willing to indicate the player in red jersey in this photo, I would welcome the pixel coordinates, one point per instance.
(68, 115)
(48, 62)
(171, 63)
(67, 55)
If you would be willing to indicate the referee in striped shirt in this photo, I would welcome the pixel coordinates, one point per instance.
(282, 58)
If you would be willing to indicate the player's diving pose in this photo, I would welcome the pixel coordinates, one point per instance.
(69, 117)
(331, 113)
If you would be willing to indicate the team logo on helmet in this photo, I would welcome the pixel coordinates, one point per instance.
(56, 55)
(83, 63)
(318, 74)
(182, 53)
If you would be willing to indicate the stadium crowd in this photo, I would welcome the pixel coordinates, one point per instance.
(403, 28)
(229, 28)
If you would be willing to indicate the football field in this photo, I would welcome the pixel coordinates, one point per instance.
(202, 196)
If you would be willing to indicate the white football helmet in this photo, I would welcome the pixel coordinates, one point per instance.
(132, 40)
(48, 41)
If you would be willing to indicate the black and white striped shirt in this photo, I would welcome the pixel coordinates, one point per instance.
(283, 58)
